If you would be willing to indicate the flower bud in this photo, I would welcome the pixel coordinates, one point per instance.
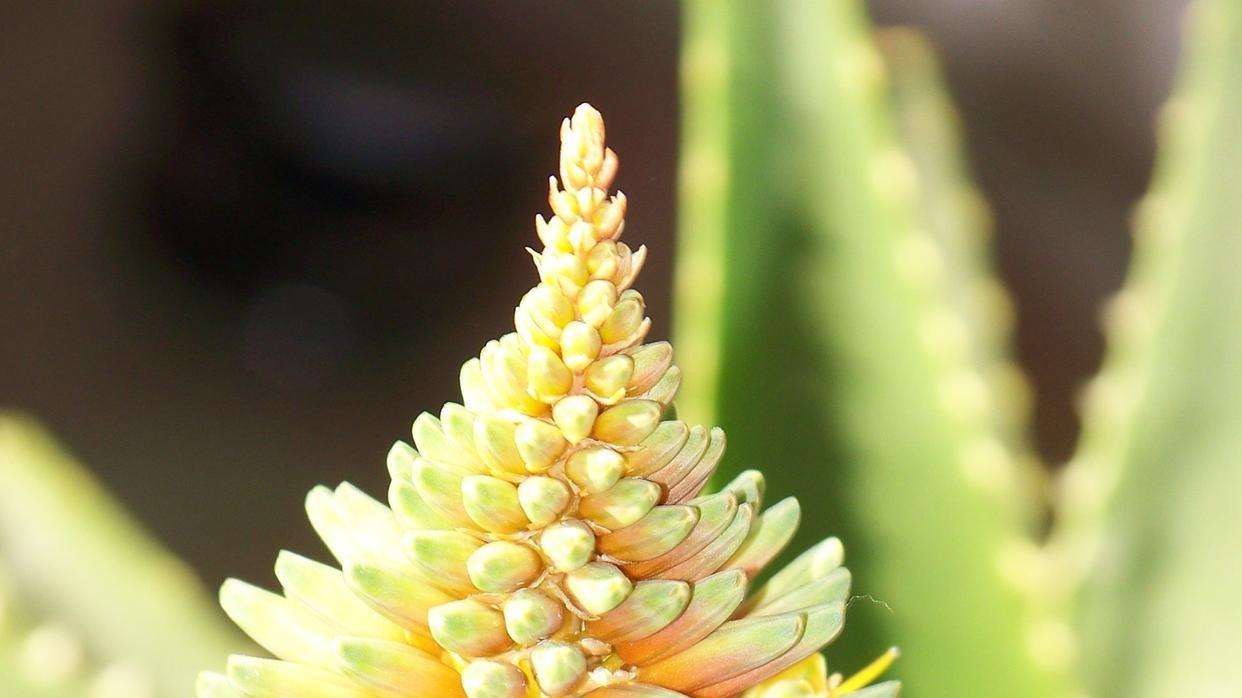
(484, 678)
(602, 260)
(595, 469)
(531, 616)
(558, 667)
(474, 391)
(624, 320)
(624, 503)
(580, 344)
(529, 331)
(468, 628)
(504, 370)
(650, 363)
(568, 544)
(575, 415)
(598, 588)
(609, 377)
(628, 423)
(494, 441)
(443, 555)
(493, 504)
(539, 444)
(553, 233)
(548, 308)
(566, 271)
(503, 566)
(548, 377)
(543, 499)
(596, 301)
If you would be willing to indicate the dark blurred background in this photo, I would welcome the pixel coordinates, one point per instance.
(242, 245)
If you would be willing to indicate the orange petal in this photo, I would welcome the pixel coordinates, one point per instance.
(736, 648)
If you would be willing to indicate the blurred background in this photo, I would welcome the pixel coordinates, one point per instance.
(243, 245)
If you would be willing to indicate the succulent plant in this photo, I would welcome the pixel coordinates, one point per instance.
(550, 536)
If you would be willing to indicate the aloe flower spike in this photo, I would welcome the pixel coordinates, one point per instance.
(550, 535)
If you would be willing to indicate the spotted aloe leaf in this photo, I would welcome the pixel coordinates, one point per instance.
(845, 342)
(1148, 541)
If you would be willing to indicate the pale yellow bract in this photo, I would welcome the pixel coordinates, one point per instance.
(549, 536)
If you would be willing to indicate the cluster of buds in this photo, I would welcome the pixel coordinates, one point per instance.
(549, 536)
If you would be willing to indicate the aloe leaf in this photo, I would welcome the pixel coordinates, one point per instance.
(76, 556)
(1150, 523)
(808, 277)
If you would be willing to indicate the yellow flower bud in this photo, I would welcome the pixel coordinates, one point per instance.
(575, 415)
(531, 616)
(443, 555)
(595, 469)
(494, 440)
(543, 499)
(596, 302)
(558, 667)
(568, 544)
(540, 444)
(598, 587)
(626, 502)
(504, 566)
(548, 377)
(602, 260)
(493, 504)
(580, 344)
(650, 363)
(624, 320)
(548, 308)
(469, 628)
(487, 679)
(628, 423)
(609, 377)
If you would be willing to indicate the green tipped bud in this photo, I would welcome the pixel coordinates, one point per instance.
(548, 308)
(653, 604)
(504, 370)
(568, 544)
(575, 415)
(494, 439)
(595, 469)
(624, 321)
(401, 460)
(658, 449)
(580, 345)
(473, 388)
(548, 377)
(609, 377)
(440, 487)
(558, 667)
(504, 566)
(531, 616)
(650, 364)
(596, 301)
(487, 679)
(628, 423)
(543, 499)
(539, 444)
(468, 628)
(663, 529)
(493, 504)
(443, 555)
(435, 445)
(598, 587)
(458, 424)
(623, 504)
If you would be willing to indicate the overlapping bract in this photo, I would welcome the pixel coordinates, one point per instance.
(550, 535)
